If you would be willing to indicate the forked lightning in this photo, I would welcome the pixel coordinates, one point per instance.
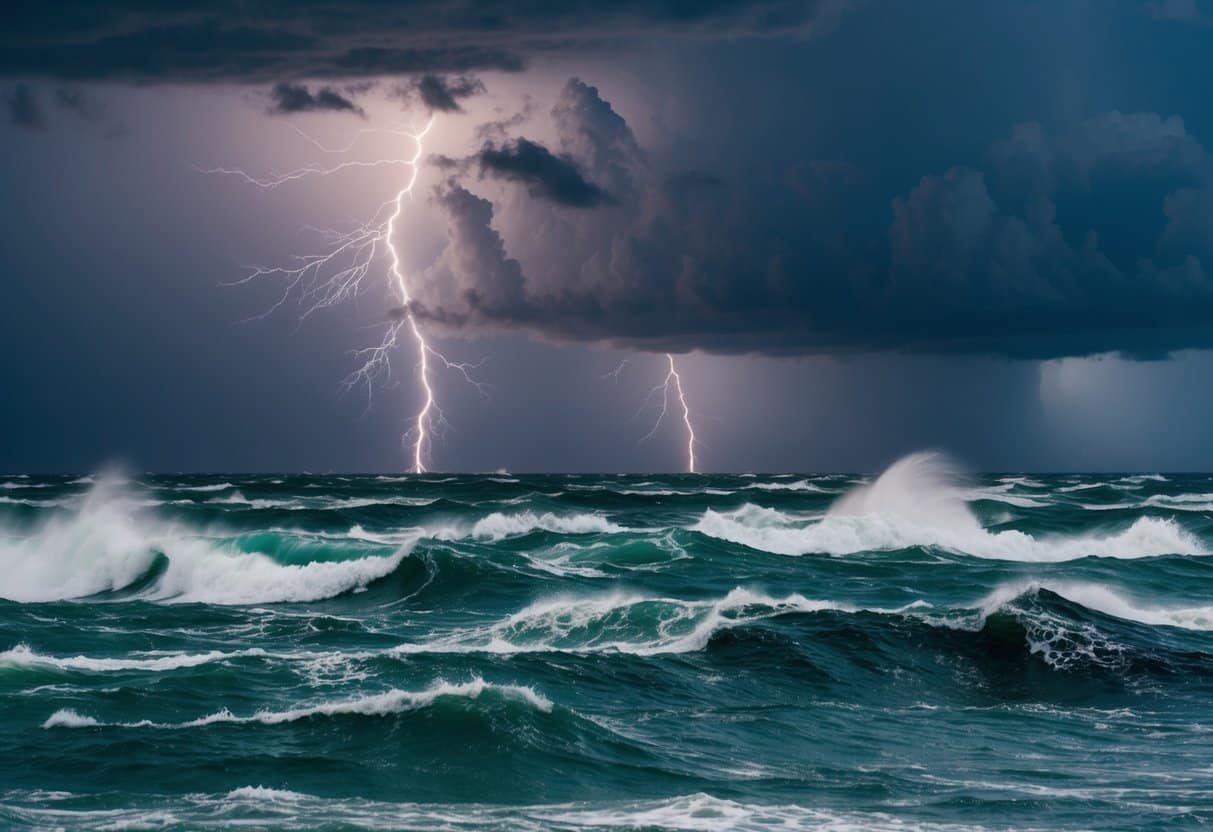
(674, 381)
(323, 280)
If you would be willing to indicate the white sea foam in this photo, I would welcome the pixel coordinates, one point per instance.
(705, 813)
(389, 702)
(281, 807)
(1022, 481)
(219, 486)
(914, 503)
(109, 543)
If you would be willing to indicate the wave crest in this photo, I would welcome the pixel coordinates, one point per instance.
(390, 702)
(499, 526)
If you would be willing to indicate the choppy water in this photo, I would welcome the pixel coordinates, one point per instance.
(691, 652)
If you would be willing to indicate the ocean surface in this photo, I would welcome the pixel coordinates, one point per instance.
(917, 649)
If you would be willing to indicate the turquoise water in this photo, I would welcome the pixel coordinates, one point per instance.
(916, 650)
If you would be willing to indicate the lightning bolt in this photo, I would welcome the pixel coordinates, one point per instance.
(339, 273)
(672, 382)
(614, 374)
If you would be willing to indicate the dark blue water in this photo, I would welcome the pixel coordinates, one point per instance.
(916, 650)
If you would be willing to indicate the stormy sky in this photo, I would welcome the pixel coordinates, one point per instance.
(863, 228)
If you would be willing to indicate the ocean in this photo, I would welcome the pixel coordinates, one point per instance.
(917, 649)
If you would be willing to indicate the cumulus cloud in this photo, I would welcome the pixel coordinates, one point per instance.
(1022, 256)
(477, 273)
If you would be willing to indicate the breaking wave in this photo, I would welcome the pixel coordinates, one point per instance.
(109, 545)
(915, 504)
(622, 623)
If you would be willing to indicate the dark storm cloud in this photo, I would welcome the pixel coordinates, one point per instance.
(545, 175)
(298, 98)
(1089, 240)
(441, 94)
(23, 106)
(233, 41)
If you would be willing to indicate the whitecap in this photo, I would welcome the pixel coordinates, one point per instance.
(798, 485)
(389, 702)
(67, 718)
(499, 526)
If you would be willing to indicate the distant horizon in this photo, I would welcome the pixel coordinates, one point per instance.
(440, 473)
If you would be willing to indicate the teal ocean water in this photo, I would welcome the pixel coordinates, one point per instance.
(909, 650)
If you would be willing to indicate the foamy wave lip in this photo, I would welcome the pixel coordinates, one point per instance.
(913, 504)
(23, 656)
(998, 495)
(219, 578)
(219, 486)
(499, 526)
(238, 499)
(1104, 599)
(1202, 502)
(1082, 486)
(623, 623)
(390, 702)
(108, 544)
(1022, 481)
(264, 793)
(799, 485)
